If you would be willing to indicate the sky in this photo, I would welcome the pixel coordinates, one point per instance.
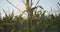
(46, 4)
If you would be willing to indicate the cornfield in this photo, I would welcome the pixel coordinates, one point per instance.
(37, 22)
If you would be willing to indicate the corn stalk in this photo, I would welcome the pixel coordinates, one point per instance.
(29, 10)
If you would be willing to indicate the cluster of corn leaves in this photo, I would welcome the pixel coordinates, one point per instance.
(41, 23)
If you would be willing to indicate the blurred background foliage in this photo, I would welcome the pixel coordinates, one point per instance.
(40, 23)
